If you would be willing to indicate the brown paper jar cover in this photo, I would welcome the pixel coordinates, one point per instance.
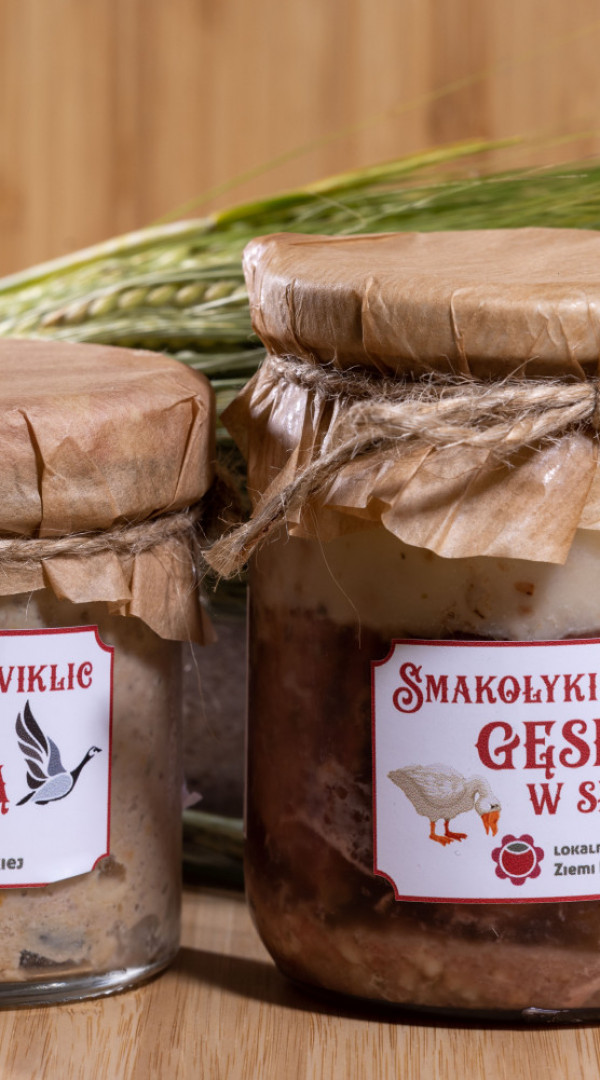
(93, 437)
(478, 304)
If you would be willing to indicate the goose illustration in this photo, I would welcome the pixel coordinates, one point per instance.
(439, 791)
(46, 774)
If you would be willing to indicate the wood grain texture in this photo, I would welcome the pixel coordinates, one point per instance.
(115, 112)
(223, 1012)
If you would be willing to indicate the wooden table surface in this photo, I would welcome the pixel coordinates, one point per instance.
(223, 1012)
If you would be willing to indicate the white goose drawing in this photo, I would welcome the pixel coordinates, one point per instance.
(46, 774)
(439, 791)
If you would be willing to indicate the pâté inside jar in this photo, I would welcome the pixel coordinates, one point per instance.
(106, 454)
(423, 804)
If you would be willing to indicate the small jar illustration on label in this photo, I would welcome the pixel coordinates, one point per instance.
(55, 752)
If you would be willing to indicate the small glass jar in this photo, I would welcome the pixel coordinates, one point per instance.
(90, 662)
(118, 924)
(424, 641)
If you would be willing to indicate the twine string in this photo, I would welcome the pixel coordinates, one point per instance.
(377, 414)
(123, 540)
(194, 527)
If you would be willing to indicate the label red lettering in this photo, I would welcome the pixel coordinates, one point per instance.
(409, 698)
(500, 757)
(84, 675)
(545, 801)
(533, 760)
(575, 743)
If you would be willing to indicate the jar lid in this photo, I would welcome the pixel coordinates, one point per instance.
(92, 435)
(105, 454)
(482, 303)
(459, 466)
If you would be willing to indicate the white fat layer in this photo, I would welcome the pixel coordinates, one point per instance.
(372, 579)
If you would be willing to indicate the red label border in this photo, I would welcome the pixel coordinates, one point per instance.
(457, 644)
(92, 628)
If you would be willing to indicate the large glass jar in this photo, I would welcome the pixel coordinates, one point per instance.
(424, 645)
(106, 455)
(320, 615)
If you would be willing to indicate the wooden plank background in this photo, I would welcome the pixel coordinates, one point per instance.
(115, 112)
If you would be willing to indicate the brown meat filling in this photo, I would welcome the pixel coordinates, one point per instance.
(323, 913)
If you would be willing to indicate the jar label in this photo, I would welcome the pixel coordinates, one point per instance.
(55, 753)
(486, 770)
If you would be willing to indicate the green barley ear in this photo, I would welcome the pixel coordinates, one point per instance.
(179, 288)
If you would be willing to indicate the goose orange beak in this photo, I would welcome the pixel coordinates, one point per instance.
(490, 821)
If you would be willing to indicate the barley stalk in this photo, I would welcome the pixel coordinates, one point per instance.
(178, 288)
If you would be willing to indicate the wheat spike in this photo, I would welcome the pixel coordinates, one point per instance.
(179, 288)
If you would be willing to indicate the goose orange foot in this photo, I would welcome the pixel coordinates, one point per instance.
(453, 835)
(444, 840)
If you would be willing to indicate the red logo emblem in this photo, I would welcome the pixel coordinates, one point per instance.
(518, 858)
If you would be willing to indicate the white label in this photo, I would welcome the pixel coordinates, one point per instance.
(55, 752)
(486, 770)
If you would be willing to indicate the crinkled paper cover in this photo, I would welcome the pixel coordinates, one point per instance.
(93, 437)
(479, 304)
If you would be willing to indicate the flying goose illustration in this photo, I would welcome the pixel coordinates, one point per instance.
(46, 774)
(439, 791)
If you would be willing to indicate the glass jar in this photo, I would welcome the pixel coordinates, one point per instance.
(91, 625)
(424, 645)
(320, 615)
(119, 923)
